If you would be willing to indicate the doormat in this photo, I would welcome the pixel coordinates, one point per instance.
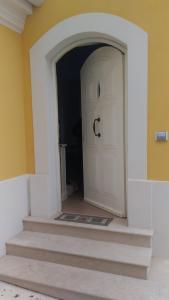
(85, 219)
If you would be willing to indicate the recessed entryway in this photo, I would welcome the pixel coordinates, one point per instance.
(91, 121)
(75, 32)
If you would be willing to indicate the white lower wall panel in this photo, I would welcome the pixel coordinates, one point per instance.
(39, 196)
(160, 210)
(139, 205)
(14, 206)
(148, 207)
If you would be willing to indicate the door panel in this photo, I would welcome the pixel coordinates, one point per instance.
(109, 125)
(102, 97)
(93, 175)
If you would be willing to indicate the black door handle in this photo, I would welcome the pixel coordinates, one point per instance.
(94, 127)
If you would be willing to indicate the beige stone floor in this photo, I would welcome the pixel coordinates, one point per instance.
(76, 204)
(10, 292)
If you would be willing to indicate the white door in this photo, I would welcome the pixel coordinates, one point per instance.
(102, 89)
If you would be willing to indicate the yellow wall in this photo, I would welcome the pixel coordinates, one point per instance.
(153, 17)
(12, 121)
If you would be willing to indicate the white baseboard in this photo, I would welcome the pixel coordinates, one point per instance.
(106, 208)
(14, 206)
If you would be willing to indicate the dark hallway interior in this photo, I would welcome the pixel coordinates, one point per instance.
(69, 107)
(70, 129)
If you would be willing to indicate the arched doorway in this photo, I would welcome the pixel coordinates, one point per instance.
(76, 31)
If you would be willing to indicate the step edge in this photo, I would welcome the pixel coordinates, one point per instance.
(79, 255)
(125, 230)
(32, 233)
(11, 279)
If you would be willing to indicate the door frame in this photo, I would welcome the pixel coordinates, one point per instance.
(109, 42)
(45, 192)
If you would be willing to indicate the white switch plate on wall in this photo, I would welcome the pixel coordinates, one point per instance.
(161, 136)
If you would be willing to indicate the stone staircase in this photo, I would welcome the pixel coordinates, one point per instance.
(73, 261)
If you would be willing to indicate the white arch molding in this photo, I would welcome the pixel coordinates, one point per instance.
(78, 30)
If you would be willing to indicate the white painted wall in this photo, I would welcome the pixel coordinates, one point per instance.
(39, 192)
(14, 206)
(139, 205)
(148, 203)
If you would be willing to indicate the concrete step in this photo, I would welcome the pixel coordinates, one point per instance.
(83, 253)
(112, 233)
(70, 283)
